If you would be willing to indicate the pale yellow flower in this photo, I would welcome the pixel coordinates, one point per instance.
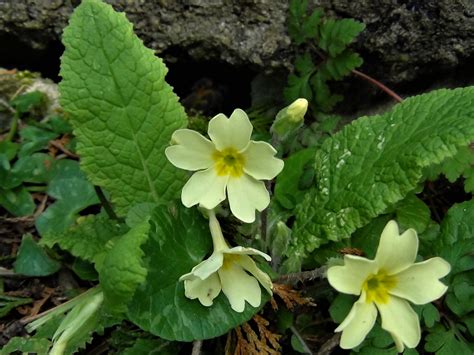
(231, 270)
(227, 163)
(386, 284)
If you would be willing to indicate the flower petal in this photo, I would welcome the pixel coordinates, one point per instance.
(191, 152)
(350, 277)
(420, 284)
(205, 268)
(205, 290)
(245, 196)
(396, 252)
(238, 286)
(260, 162)
(400, 320)
(233, 132)
(248, 251)
(248, 264)
(357, 324)
(204, 187)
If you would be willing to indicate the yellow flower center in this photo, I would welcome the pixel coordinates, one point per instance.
(229, 259)
(228, 162)
(377, 287)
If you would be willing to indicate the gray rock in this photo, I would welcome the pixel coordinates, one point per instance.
(404, 39)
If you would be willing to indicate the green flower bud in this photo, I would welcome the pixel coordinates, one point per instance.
(290, 118)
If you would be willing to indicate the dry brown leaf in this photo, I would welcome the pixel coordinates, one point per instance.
(291, 297)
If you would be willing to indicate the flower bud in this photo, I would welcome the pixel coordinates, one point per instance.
(290, 118)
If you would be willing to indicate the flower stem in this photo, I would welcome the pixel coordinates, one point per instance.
(216, 232)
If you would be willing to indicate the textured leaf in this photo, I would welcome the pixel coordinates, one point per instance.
(179, 240)
(298, 83)
(121, 108)
(338, 67)
(375, 162)
(32, 260)
(122, 270)
(87, 238)
(337, 34)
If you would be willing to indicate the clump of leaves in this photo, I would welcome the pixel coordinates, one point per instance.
(324, 55)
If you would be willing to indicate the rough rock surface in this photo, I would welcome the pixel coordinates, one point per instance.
(404, 39)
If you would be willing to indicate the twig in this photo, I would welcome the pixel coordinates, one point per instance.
(197, 344)
(371, 80)
(302, 276)
(41, 206)
(63, 149)
(305, 346)
(105, 203)
(5, 104)
(378, 84)
(328, 346)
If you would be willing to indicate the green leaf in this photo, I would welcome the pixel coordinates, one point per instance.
(8, 303)
(340, 307)
(445, 342)
(73, 193)
(456, 242)
(179, 240)
(301, 26)
(296, 345)
(413, 213)
(34, 139)
(32, 260)
(26, 345)
(367, 238)
(151, 346)
(298, 84)
(430, 315)
(24, 103)
(376, 161)
(122, 270)
(461, 164)
(287, 188)
(17, 201)
(8, 149)
(122, 110)
(324, 100)
(337, 34)
(338, 67)
(87, 238)
(35, 168)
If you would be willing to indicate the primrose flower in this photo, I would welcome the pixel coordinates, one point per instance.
(230, 162)
(227, 270)
(386, 284)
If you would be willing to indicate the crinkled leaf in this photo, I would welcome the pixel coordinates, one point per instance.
(26, 345)
(139, 213)
(122, 269)
(298, 83)
(72, 192)
(87, 238)
(179, 240)
(413, 213)
(289, 189)
(122, 110)
(375, 162)
(32, 259)
(337, 34)
(338, 67)
(17, 201)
